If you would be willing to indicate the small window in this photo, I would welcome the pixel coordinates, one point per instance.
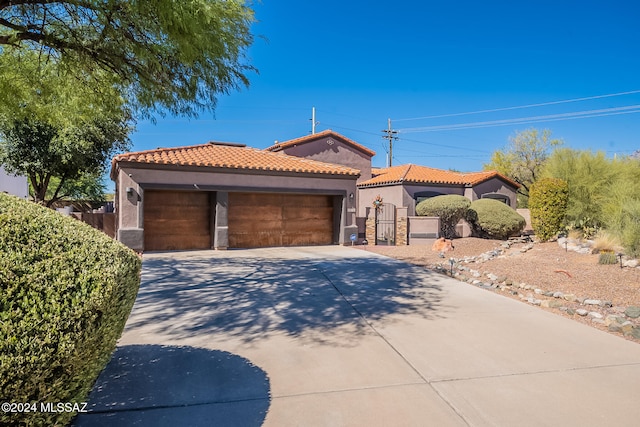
(497, 196)
(424, 195)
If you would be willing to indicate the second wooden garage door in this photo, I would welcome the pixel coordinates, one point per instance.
(261, 220)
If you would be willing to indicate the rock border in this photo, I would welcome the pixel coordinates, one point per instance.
(616, 319)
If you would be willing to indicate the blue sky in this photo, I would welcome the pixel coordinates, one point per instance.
(361, 62)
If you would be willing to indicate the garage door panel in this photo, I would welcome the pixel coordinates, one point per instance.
(307, 213)
(172, 242)
(176, 220)
(267, 219)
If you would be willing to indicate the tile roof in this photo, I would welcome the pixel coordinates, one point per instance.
(228, 156)
(312, 137)
(423, 174)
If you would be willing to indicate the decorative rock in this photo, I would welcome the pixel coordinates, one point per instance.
(635, 332)
(571, 311)
(596, 320)
(548, 294)
(570, 297)
(627, 328)
(632, 312)
(615, 327)
(492, 277)
(592, 302)
(582, 312)
(538, 291)
(595, 315)
(631, 263)
(558, 295)
(551, 303)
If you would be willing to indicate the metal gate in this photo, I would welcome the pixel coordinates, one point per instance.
(386, 224)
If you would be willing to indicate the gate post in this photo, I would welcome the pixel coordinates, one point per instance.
(401, 226)
(370, 226)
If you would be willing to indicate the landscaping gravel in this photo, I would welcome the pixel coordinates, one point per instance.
(542, 274)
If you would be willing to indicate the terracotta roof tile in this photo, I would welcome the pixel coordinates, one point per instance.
(423, 174)
(304, 139)
(232, 157)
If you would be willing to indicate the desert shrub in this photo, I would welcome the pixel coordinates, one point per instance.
(548, 200)
(493, 219)
(67, 290)
(590, 178)
(622, 210)
(449, 208)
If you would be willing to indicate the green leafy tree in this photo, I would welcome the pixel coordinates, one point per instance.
(163, 54)
(44, 152)
(522, 160)
(590, 177)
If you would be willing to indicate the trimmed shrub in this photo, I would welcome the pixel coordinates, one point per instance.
(548, 201)
(67, 290)
(449, 208)
(493, 219)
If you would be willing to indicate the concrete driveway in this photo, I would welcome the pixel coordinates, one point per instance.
(334, 336)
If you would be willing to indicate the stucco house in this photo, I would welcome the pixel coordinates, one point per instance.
(220, 195)
(317, 189)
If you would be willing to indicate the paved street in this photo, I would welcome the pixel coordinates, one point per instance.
(335, 336)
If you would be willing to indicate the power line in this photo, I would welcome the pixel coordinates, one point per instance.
(522, 106)
(630, 109)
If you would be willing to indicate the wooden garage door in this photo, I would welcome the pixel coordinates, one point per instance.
(176, 220)
(260, 220)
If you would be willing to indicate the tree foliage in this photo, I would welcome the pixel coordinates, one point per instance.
(590, 178)
(603, 193)
(548, 200)
(162, 54)
(42, 151)
(522, 160)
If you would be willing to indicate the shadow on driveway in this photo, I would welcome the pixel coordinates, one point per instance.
(247, 296)
(153, 385)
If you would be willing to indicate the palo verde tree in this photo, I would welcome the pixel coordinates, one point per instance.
(163, 55)
(522, 160)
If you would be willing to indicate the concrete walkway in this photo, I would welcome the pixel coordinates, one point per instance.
(334, 336)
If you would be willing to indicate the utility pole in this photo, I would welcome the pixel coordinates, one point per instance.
(391, 135)
(313, 120)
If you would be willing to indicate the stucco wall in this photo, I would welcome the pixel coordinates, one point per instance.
(495, 185)
(333, 150)
(130, 205)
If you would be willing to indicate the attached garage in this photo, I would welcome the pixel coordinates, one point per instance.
(177, 220)
(273, 219)
(228, 196)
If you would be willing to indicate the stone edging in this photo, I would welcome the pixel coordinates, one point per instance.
(624, 320)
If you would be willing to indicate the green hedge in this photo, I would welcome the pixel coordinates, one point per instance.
(67, 290)
(449, 208)
(548, 201)
(493, 219)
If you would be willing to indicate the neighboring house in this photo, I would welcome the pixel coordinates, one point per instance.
(317, 189)
(220, 195)
(12, 184)
(407, 185)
